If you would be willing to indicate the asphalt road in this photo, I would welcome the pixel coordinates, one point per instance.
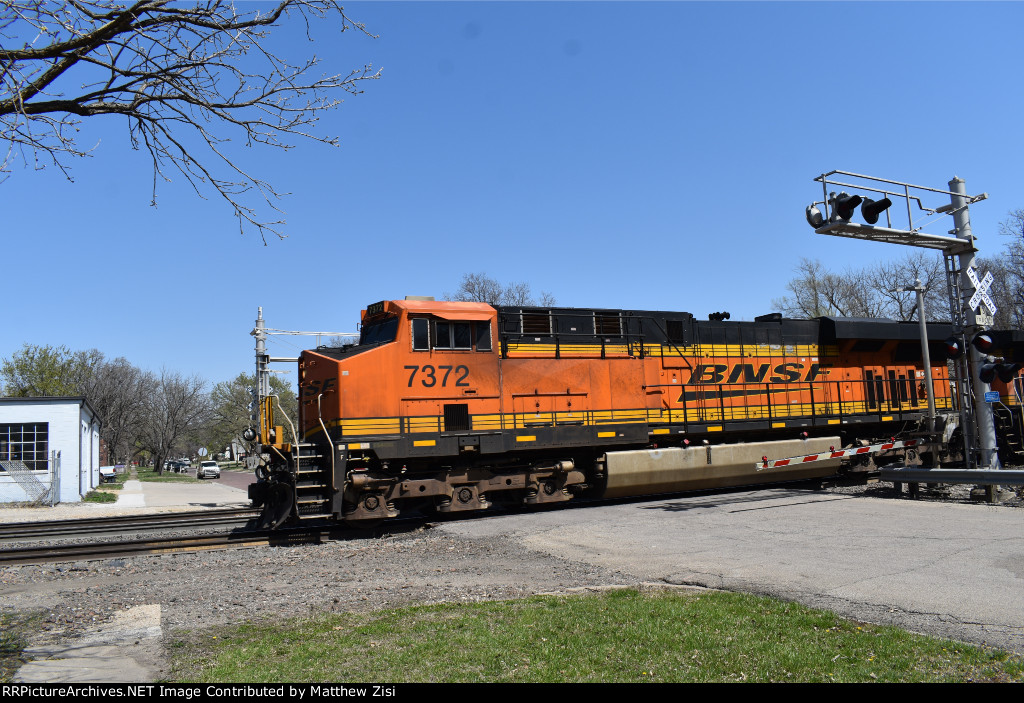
(947, 569)
(235, 478)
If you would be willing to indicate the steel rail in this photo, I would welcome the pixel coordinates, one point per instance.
(166, 545)
(119, 523)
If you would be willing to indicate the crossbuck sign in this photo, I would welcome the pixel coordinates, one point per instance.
(981, 291)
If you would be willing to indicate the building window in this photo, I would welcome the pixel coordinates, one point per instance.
(27, 443)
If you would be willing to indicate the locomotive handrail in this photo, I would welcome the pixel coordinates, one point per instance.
(829, 404)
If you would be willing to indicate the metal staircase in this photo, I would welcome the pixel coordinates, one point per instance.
(1010, 431)
(312, 482)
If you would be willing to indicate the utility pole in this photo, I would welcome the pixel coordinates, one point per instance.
(925, 354)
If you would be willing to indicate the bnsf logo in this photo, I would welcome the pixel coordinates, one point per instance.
(314, 387)
(715, 375)
(745, 373)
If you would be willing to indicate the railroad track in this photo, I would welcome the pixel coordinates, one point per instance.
(83, 527)
(306, 534)
(164, 545)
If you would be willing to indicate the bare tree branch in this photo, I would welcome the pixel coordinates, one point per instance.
(481, 288)
(176, 407)
(871, 292)
(185, 76)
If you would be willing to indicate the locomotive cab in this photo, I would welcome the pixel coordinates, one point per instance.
(378, 413)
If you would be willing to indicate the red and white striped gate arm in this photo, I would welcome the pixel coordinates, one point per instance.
(838, 454)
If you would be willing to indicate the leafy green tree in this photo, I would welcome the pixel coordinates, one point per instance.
(116, 389)
(46, 370)
(230, 414)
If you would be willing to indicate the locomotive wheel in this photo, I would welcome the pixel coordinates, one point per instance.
(277, 506)
(370, 524)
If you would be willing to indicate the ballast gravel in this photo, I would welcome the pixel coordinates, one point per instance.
(206, 589)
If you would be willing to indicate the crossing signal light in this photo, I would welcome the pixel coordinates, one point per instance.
(987, 372)
(844, 205)
(953, 349)
(1005, 371)
(871, 209)
(982, 342)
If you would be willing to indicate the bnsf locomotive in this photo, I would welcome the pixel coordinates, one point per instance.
(446, 406)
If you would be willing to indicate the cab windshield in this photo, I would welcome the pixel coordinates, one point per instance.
(379, 331)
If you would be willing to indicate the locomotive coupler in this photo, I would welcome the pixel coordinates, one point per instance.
(276, 494)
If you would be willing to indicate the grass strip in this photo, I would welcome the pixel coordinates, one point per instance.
(14, 631)
(99, 496)
(621, 636)
(151, 476)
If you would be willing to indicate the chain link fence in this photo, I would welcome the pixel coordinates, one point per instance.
(20, 484)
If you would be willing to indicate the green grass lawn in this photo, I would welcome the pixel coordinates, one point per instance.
(149, 474)
(622, 636)
(100, 494)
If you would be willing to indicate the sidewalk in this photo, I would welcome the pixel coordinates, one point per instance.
(138, 498)
(180, 496)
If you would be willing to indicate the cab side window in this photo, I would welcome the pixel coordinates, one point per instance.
(420, 334)
(483, 336)
(453, 335)
(430, 334)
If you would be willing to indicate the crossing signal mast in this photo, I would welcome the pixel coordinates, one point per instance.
(835, 215)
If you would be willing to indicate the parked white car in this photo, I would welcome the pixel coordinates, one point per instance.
(208, 469)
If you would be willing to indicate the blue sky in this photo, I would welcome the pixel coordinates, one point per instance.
(616, 154)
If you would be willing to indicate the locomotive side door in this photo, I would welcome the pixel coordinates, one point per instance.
(875, 399)
(907, 386)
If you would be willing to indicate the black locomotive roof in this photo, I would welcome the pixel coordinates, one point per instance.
(654, 326)
(877, 328)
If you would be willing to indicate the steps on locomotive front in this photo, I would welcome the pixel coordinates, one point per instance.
(1010, 432)
(312, 483)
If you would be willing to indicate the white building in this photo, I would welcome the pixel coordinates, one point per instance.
(34, 432)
